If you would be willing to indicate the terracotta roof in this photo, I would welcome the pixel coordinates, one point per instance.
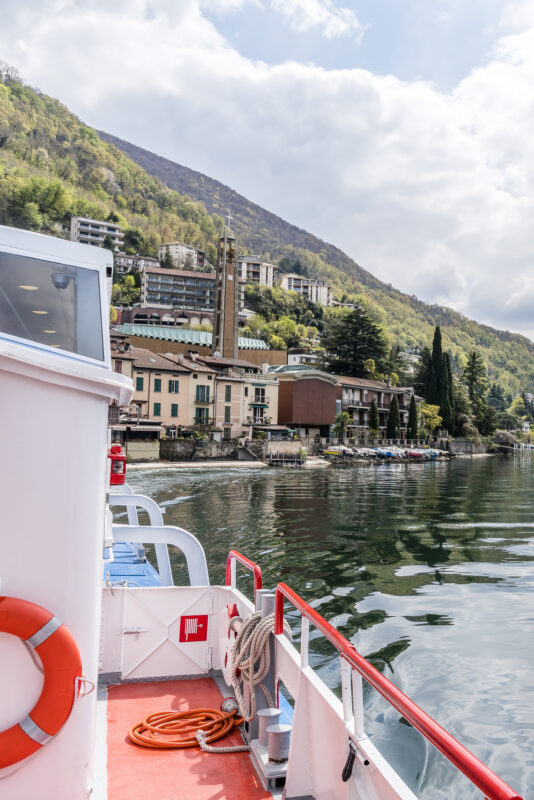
(189, 363)
(230, 362)
(146, 359)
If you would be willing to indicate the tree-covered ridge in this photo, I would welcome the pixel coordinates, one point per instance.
(405, 318)
(53, 166)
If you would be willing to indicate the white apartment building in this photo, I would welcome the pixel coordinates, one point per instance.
(125, 263)
(317, 291)
(183, 255)
(93, 231)
(301, 355)
(253, 270)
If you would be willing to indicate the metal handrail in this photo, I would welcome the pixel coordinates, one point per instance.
(478, 773)
(234, 556)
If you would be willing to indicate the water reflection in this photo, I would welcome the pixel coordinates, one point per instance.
(426, 567)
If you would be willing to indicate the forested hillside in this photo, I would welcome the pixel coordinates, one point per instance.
(407, 320)
(53, 166)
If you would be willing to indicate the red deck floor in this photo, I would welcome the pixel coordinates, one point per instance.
(135, 773)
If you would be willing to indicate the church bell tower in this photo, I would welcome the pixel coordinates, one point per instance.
(225, 318)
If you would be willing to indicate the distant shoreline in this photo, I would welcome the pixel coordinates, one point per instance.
(195, 465)
(311, 463)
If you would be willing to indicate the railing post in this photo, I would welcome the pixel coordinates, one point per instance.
(357, 704)
(278, 611)
(304, 642)
(233, 568)
(346, 690)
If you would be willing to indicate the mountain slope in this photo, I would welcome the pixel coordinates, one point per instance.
(510, 356)
(53, 166)
(254, 226)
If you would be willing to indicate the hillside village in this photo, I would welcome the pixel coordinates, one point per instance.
(339, 380)
(54, 168)
(335, 350)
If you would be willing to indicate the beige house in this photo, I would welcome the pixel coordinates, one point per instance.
(172, 389)
(246, 397)
(230, 396)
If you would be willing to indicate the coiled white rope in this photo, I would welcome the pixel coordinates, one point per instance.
(251, 655)
(208, 748)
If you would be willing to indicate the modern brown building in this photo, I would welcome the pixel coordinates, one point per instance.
(357, 394)
(306, 399)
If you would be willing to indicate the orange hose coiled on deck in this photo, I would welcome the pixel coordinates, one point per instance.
(169, 730)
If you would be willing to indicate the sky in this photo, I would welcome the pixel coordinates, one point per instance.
(401, 131)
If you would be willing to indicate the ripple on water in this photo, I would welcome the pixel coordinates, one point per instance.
(428, 570)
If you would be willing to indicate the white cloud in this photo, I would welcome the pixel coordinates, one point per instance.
(431, 191)
(321, 15)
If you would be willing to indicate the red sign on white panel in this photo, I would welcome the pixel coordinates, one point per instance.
(194, 629)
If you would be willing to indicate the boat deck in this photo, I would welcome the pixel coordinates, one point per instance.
(135, 772)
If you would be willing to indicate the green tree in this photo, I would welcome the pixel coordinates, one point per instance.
(393, 425)
(374, 422)
(340, 423)
(421, 379)
(370, 368)
(431, 417)
(107, 244)
(507, 421)
(31, 216)
(517, 407)
(486, 420)
(462, 407)
(474, 377)
(496, 397)
(349, 340)
(450, 392)
(166, 262)
(436, 388)
(411, 431)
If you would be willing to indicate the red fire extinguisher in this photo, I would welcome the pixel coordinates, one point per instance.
(118, 465)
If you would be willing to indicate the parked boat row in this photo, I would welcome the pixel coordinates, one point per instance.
(391, 452)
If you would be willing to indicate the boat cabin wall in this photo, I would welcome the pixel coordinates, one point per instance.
(53, 474)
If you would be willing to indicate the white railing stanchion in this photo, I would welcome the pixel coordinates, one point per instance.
(357, 704)
(233, 573)
(346, 691)
(304, 642)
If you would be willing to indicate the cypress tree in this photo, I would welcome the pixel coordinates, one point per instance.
(450, 387)
(421, 379)
(445, 409)
(374, 422)
(393, 426)
(435, 396)
(411, 431)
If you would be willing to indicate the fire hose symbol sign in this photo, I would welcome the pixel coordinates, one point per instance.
(194, 629)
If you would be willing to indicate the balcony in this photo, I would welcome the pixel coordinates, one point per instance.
(259, 402)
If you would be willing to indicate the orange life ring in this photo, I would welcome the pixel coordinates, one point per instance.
(62, 665)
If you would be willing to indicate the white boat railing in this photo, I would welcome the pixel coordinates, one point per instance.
(169, 535)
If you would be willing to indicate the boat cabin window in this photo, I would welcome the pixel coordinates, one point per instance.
(52, 304)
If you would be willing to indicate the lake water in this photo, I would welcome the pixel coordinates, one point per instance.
(427, 568)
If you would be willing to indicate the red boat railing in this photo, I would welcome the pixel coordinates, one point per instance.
(234, 556)
(478, 773)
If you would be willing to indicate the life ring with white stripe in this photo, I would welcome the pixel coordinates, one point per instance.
(62, 667)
